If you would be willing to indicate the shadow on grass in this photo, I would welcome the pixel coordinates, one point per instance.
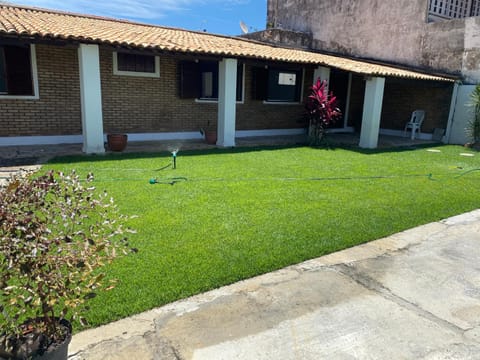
(390, 149)
(167, 154)
(329, 146)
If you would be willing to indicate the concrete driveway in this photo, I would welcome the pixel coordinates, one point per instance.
(413, 295)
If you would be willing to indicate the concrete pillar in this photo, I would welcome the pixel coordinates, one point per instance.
(91, 99)
(461, 115)
(227, 102)
(453, 104)
(323, 73)
(372, 110)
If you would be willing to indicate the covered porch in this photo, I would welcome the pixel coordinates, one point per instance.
(378, 108)
(93, 79)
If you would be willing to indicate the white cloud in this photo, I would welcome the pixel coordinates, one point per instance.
(140, 9)
(136, 9)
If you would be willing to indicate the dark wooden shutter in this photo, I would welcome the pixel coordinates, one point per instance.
(19, 70)
(3, 73)
(239, 81)
(260, 83)
(189, 80)
(299, 85)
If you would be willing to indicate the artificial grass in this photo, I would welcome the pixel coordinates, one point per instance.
(226, 215)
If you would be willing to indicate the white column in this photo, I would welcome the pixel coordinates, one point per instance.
(453, 104)
(227, 102)
(372, 110)
(91, 99)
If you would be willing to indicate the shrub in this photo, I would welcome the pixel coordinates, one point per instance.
(322, 111)
(473, 126)
(55, 236)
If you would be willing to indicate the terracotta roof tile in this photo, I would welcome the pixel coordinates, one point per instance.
(43, 23)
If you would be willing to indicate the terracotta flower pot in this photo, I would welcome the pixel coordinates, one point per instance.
(211, 137)
(117, 142)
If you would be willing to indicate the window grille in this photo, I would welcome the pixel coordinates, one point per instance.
(453, 9)
(475, 8)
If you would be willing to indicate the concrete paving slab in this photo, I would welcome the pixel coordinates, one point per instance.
(441, 275)
(321, 314)
(414, 295)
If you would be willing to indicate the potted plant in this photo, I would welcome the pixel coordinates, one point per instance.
(209, 133)
(117, 141)
(55, 236)
(322, 111)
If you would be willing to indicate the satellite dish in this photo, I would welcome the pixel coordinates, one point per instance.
(244, 27)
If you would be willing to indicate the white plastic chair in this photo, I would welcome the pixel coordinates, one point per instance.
(415, 123)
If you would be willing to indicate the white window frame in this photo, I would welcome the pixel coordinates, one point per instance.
(155, 74)
(36, 93)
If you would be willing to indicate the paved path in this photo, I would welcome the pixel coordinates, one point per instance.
(413, 295)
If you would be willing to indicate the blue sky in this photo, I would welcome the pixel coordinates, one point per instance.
(215, 16)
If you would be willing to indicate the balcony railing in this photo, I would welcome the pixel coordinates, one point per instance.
(453, 9)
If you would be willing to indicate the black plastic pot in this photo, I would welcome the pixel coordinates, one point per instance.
(58, 351)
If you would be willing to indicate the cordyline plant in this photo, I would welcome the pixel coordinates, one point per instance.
(473, 126)
(55, 236)
(322, 111)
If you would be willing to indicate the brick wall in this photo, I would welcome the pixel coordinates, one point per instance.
(401, 97)
(130, 104)
(137, 104)
(57, 111)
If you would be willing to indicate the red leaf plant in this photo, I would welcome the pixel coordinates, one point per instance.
(322, 110)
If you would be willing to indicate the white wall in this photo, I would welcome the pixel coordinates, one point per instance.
(392, 30)
(462, 115)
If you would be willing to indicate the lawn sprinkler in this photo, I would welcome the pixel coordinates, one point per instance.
(174, 158)
(154, 181)
(171, 181)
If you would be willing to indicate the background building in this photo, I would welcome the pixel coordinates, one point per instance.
(438, 35)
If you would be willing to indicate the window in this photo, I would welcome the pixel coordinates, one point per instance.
(209, 80)
(277, 84)
(451, 9)
(199, 80)
(16, 76)
(136, 65)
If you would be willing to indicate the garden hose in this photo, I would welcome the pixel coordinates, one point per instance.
(174, 180)
(171, 181)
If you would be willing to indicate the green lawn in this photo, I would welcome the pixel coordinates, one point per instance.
(233, 214)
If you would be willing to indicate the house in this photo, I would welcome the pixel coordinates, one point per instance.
(73, 78)
(429, 35)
